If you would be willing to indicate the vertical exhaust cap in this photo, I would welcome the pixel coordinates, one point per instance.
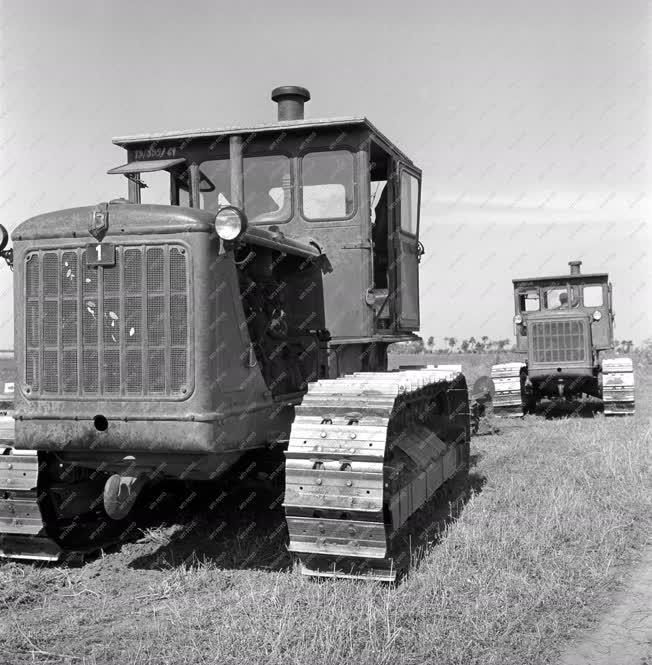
(575, 267)
(290, 100)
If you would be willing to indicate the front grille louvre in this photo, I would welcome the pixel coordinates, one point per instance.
(97, 331)
(558, 341)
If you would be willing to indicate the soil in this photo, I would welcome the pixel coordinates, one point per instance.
(624, 634)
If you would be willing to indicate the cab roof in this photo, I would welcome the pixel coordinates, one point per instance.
(285, 125)
(582, 277)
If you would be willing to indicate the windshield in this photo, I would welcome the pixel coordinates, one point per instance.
(154, 186)
(557, 297)
(267, 187)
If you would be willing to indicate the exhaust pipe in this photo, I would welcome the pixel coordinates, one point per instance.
(574, 267)
(290, 100)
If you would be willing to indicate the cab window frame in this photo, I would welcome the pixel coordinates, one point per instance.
(404, 169)
(293, 180)
(522, 299)
(355, 178)
(258, 153)
(603, 299)
(556, 287)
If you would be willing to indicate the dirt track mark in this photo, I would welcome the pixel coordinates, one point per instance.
(624, 635)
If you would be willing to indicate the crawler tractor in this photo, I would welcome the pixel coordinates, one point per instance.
(251, 309)
(563, 324)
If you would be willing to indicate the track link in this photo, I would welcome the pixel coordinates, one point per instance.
(508, 396)
(366, 451)
(22, 528)
(618, 387)
(50, 511)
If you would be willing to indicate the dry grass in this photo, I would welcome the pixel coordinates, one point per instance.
(534, 556)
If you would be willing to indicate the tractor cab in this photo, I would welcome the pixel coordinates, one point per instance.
(563, 320)
(337, 184)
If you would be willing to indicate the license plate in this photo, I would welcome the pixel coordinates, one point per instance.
(102, 254)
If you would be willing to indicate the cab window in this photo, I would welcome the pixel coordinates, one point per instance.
(267, 187)
(154, 186)
(327, 186)
(556, 298)
(592, 296)
(529, 301)
(214, 184)
(409, 203)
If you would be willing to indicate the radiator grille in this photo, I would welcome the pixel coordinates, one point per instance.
(558, 341)
(112, 331)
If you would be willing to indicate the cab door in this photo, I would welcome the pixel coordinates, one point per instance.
(407, 250)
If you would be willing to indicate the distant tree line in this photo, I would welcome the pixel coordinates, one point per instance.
(454, 345)
(486, 345)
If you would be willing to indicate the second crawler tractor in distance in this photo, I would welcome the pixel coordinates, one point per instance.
(563, 324)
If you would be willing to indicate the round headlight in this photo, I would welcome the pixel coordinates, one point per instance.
(230, 223)
(597, 315)
(518, 319)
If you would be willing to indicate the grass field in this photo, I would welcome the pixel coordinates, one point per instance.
(560, 511)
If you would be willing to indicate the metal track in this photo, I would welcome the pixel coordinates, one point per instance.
(22, 528)
(366, 451)
(507, 399)
(44, 518)
(618, 388)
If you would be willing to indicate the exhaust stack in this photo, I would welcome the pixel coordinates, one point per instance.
(575, 267)
(290, 100)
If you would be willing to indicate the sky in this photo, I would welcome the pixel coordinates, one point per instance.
(531, 122)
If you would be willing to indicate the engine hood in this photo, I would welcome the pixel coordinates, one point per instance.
(123, 219)
(557, 315)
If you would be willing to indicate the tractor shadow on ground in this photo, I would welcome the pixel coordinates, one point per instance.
(243, 529)
(428, 526)
(246, 530)
(490, 425)
(555, 409)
